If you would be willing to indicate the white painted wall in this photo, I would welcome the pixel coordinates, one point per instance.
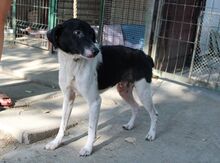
(214, 5)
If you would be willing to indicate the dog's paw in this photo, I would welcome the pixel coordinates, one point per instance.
(52, 145)
(85, 152)
(127, 126)
(150, 136)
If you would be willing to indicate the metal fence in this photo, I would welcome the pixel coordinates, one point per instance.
(31, 22)
(186, 42)
(65, 10)
(206, 56)
(123, 22)
(182, 36)
(177, 24)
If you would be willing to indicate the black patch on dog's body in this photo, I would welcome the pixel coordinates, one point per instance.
(123, 64)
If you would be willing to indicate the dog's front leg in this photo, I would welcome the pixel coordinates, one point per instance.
(94, 108)
(69, 97)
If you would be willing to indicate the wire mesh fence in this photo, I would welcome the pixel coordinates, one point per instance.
(33, 18)
(175, 38)
(124, 23)
(31, 22)
(87, 10)
(206, 58)
(182, 36)
(65, 10)
(124, 20)
(187, 42)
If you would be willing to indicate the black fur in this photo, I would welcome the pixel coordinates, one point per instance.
(123, 64)
(119, 63)
(73, 36)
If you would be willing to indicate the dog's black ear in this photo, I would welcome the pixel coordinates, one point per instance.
(54, 34)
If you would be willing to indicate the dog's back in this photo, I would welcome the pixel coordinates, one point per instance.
(123, 64)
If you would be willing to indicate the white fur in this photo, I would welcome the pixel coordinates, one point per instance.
(144, 93)
(79, 74)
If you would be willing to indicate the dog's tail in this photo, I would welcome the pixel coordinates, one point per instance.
(147, 59)
(151, 62)
(148, 64)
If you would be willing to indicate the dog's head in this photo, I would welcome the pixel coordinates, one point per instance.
(74, 37)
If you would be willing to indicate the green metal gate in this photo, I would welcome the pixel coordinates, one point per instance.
(29, 21)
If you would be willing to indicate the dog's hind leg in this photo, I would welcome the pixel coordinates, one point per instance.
(144, 93)
(125, 91)
(69, 96)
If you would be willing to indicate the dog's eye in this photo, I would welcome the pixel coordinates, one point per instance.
(77, 32)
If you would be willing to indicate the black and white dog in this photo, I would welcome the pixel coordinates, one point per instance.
(85, 68)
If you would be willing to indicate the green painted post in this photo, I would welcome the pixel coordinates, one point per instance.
(52, 17)
(14, 20)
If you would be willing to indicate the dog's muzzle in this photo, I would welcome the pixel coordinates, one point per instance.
(91, 52)
(95, 51)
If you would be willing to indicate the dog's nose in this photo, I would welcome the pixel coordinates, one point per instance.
(95, 51)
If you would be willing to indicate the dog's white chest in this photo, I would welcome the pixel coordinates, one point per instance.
(76, 74)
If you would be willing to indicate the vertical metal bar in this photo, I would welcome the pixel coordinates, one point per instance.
(179, 42)
(218, 25)
(52, 14)
(171, 37)
(156, 34)
(38, 12)
(163, 35)
(148, 25)
(14, 20)
(52, 18)
(101, 21)
(196, 43)
(188, 39)
(218, 79)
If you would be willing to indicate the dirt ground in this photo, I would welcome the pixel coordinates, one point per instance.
(7, 144)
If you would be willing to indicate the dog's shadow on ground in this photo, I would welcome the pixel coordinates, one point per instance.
(116, 124)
